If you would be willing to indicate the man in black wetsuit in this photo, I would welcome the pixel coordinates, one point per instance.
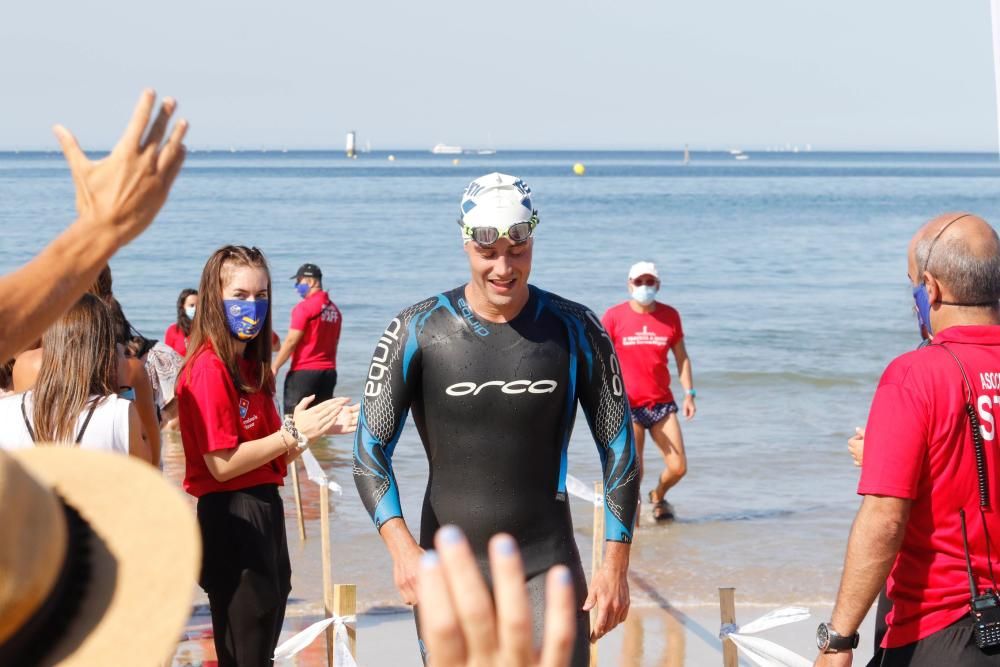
(493, 371)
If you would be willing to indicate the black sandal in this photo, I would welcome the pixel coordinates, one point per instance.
(662, 510)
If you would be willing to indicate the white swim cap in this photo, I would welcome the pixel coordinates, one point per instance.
(496, 200)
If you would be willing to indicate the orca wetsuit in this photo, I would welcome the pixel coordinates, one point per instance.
(495, 405)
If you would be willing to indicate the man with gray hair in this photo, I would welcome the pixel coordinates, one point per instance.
(930, 476)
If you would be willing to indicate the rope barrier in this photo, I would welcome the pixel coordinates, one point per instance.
(762, 652)
(577, 488)
(295, 644)
(315, 473)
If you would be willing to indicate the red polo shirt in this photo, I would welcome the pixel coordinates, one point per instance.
(918, 445)
(319, 321)
(214, 416)
(642, 341)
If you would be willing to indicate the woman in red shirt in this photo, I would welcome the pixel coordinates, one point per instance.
(177, 334)
(236, 449)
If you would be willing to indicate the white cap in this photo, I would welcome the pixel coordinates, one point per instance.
(643, 269)
(496, 200)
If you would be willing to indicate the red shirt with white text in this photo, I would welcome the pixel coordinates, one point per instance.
(319, 320)
(214, 415)
(642, 341)
(918, 445)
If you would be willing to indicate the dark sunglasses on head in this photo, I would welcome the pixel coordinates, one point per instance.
(639, 282)
(518, 233)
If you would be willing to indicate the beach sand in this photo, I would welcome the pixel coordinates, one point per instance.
(663, 636)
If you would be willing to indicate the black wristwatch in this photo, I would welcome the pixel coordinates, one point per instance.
(829, 640)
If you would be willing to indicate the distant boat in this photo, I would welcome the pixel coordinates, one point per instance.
(486, 151)
(349, 147)
(742, 156)
(445, 149)
(735, 151)
(687, 155)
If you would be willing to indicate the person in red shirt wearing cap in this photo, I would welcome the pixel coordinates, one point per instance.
(930, 475)
(311, 342)
(644, 331)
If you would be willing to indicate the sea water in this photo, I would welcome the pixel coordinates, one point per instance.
(789, 271)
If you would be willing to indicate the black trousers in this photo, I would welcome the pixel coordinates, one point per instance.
(299, 384)
(245, 572)
(954, 646)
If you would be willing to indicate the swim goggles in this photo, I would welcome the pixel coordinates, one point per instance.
(518, 233)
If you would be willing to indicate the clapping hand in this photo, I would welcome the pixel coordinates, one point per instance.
(323, 418)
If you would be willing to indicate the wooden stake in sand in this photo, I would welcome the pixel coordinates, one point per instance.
(727, 608)
(294, 469)
(597, 557)
(324, 514)
(345, 603)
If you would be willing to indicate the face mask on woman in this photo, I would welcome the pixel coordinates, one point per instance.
(245, 317)
(644, 294)
(189, 311)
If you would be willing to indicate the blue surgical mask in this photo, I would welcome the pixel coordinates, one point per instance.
(245, 317)
(923, 311)
(189, 311)
(644, 294)
(128, 393)
(302, 289)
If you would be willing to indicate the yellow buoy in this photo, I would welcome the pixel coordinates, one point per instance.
(455, 161)
(579, 169)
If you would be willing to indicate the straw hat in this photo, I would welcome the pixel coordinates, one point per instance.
(124, 584)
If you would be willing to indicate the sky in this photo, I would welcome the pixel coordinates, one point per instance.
(549, 74)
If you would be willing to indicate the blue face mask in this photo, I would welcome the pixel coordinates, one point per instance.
(302, 289)
(923, 311)
(189, 311)
(245, 317)
(644, 294)
(128, 393)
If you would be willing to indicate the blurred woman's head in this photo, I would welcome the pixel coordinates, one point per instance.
(234, 316)
(187, 305)
(135, 344)
(79, 360)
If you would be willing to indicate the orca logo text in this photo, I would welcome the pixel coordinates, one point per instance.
(512, 387)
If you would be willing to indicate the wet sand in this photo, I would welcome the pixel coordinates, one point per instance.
(650, 637)
(664, 627)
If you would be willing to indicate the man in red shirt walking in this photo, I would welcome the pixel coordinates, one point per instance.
(311, 342)
(931, 475)
(644, 331)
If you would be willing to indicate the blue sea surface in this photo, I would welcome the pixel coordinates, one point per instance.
(789, 271)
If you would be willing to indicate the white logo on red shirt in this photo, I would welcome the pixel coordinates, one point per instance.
(329, 313)
(646, 337)
(247, 419)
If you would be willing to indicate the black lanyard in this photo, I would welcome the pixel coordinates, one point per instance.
(79, 436)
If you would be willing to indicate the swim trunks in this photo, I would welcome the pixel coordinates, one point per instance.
(648, 416)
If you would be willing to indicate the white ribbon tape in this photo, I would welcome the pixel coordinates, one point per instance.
(315, 473)
(291, 647)
(762, 652)
(577, 488)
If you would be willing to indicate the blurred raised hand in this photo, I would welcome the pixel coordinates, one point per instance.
(117, 198)
(462, 626)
